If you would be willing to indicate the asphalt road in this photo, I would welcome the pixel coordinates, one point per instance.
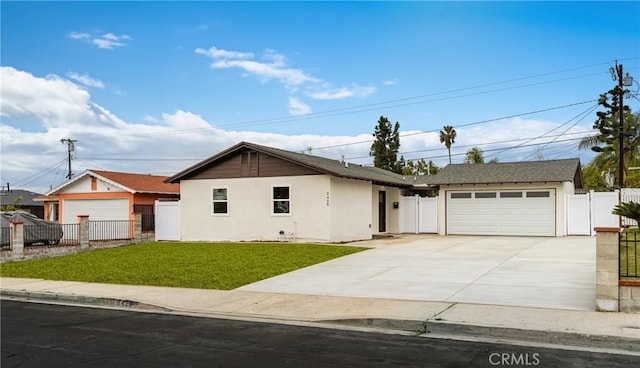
(43, 335)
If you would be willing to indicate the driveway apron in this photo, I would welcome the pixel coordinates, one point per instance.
(518, 271)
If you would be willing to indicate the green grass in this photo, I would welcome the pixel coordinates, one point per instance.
(222, 266)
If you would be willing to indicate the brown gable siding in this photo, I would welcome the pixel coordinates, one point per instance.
(252, 164)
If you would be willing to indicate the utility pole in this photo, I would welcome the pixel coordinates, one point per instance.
(70, 148)
(622, 82)
(621, 128)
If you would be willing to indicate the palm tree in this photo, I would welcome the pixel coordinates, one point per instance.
(474, 156)
(448, 137)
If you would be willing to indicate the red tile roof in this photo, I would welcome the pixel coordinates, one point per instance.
(142, 183)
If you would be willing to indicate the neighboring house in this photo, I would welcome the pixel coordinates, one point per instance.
(108, 195)
(254, 192)
(23, 199)
(515, 198)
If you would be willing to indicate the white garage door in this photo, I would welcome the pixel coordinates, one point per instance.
(512, 212)
(96, 209)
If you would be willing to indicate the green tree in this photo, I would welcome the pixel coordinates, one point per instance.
(420, 167)
(448, 137)
(594, 178)
(386, 145)
(15, 206)
(474, 156)
(606, 141)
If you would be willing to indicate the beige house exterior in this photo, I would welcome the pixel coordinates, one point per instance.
(251, 192)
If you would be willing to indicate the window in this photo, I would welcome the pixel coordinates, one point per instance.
(460, 195)
(220, 201)
(281, 200)
(537, 194)
(485, 194)
(510, 194)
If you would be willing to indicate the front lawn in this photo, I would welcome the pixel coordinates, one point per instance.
(222, 266)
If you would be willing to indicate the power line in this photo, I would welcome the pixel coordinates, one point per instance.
(463, 125)
(390, 103)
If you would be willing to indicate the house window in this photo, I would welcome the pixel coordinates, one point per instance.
(281, 200)
(510, 194)
(460, 195)
(94, 183)
(220, 201)
(486, 195)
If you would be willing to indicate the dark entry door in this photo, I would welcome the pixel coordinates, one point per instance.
(382, 211)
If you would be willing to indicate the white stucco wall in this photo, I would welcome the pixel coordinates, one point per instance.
(393, 214)
(350, 203)
(561, 189)
(83, 185)
(250, 209)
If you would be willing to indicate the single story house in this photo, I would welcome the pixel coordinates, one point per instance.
(22, 199)
(254, 192)
(108, 195)
(512, 198)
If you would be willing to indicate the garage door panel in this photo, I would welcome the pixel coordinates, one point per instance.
(96, 209)
(530, 212)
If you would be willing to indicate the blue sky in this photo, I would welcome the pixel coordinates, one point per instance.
(153, 87)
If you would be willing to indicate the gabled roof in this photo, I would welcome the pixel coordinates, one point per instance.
(9, 197)
(134, 183)
(566, 170)
(317, 163)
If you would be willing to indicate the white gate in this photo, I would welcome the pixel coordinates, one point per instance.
(588, 211)
(167, 220)
(419, 215)
(579, 214)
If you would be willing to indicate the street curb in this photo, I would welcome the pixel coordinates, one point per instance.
(79, 299)
(408, 325)
(442, 327)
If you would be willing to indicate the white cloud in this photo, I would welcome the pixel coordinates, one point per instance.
(104, 41)
(274, 66)
(33, 157)
(217, 53)
(390, 82)
(344, 92)
(85, 79)
(297, 107)
(79, 35)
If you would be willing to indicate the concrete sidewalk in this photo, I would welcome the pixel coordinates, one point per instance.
(617, 332)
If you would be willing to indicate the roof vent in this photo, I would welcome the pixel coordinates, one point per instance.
(346, 164)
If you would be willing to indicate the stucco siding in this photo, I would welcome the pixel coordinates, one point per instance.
(350, 204)
(250, 206)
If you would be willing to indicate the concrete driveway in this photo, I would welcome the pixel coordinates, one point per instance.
(518, 271)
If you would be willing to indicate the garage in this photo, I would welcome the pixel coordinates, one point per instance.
(529, 212)
(96, 209)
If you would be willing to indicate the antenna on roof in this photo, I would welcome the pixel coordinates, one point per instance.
(342, 158)
(309, 150)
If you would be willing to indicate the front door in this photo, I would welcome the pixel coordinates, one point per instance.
(382, 211)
